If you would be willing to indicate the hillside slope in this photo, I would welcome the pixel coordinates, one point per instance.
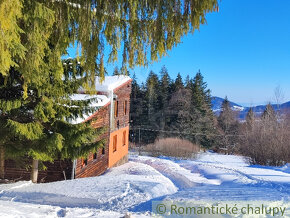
(133, 186)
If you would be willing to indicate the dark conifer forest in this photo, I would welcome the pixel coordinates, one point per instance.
(165, 107)
(172, 107)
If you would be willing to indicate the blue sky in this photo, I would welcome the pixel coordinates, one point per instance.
(243, 51)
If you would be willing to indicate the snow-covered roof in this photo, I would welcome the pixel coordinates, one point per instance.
(111, 82)
(98, 101)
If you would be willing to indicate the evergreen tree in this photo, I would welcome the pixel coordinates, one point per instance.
(269, 119)
(166, 107)
(151, 106)
(139, 27)
(163, 98)
(228, 124)
(226, 117)
(116, 72)
(204, 122)
(152, 86)
(178, 84)
(188, 82)
(181, 117)
(136, 108)
(35, 127)
(36, 34)
(201, 97)
(250, 118)
(165, 82)
(269, 113)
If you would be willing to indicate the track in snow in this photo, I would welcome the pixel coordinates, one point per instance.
(222, 177)
(134, 185)
(183, 178)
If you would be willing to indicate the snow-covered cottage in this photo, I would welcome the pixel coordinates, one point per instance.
(113, 103)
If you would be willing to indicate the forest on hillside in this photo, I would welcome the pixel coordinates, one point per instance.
(165, 107)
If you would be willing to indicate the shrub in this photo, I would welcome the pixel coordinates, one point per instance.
(173, 147)
(266, 141)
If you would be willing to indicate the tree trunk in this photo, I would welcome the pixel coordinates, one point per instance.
(34, 171)
(2, 162)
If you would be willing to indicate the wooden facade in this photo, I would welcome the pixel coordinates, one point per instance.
(115, 117)
(117, 135)
(97, 163)
(58, 170)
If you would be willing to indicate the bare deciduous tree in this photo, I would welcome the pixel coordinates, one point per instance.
(267, 139)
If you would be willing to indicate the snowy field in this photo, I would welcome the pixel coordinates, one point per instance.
(131, 188)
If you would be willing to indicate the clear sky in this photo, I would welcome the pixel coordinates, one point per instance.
(243, 51)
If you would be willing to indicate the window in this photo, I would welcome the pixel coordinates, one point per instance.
(115, 143)
(116, 108)
(84, 162)
(124, 138)
(95, 156)
(103, 150)
(125, 107)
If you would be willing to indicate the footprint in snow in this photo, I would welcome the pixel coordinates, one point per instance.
(61, 213)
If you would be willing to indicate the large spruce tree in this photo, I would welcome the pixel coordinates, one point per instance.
(37, 126)
(145, 30)
(35, 34)
(151, 108)
(181, 116)
(201, 105)
(201, 97)
(165, 92)
(137, 110)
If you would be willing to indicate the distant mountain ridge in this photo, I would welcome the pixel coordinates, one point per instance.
(217, 103)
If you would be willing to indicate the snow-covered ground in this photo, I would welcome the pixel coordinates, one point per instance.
(132, 187)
